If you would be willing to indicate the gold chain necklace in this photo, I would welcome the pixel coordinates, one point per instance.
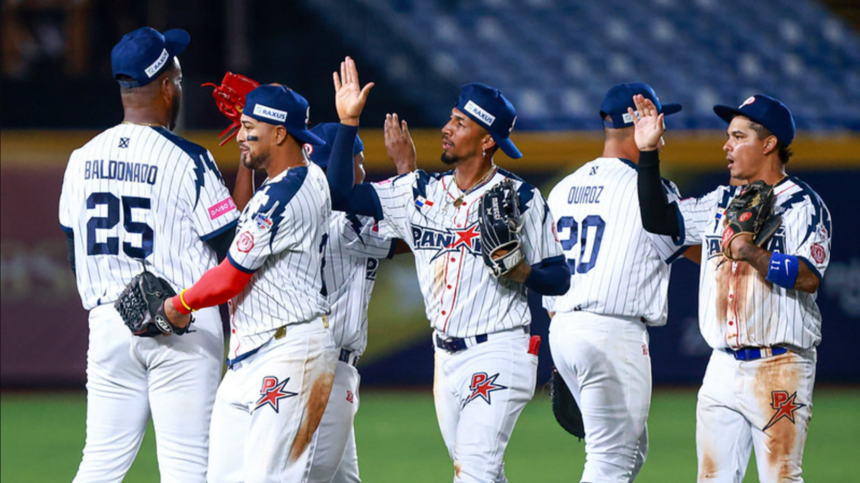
(459, 201)
(148, 124)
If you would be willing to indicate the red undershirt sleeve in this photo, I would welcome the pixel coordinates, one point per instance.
(215, 287)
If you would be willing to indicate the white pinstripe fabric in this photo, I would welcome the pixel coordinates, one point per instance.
(761, 314)
(179, 215)
(629, 275)
(461, 297)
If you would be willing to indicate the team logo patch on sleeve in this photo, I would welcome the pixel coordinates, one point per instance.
(784, 405)
(272, 393)
(482, 386)
(818, 253)
(245, 242)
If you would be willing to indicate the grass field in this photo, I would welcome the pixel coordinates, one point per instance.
(398, 440)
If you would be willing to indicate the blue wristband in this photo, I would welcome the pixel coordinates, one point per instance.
(783, 270)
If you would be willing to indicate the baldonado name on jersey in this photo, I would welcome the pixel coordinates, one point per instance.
(448, 240)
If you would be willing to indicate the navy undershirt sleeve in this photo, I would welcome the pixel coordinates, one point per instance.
(345, 195)
(70, 245)
(220, 244)
(549, 277)
(658, 215)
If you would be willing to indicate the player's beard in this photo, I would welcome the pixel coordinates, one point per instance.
(449, 159)
(255, 162)
(175, 106)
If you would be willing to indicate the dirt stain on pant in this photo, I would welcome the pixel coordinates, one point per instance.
(777, 381)
(317, 401)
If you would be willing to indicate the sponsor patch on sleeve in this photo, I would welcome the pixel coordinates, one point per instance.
(221, 208)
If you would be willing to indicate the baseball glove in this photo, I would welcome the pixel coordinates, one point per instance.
(230, 99)
(500, 222)
(141, 306)
(564, 406)
(750, 212)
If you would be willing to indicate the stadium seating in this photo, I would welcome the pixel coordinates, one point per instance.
(556, 58)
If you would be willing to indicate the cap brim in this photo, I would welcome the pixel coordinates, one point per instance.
(727, 113)
(671, 108)
(308, 137)
(507, 146)
(177, 40)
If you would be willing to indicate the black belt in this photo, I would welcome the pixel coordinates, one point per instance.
(755, 353)
(457, 344)
(348, 356)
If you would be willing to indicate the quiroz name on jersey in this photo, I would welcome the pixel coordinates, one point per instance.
(584, 194)
(120, 171)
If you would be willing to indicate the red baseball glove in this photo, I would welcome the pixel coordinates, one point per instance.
(230, 99)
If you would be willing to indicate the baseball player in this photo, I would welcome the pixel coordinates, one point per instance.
(351, 263)
(756, 303)
(352, 254)
(281, 357)
(138, 196)
(485, 364)
(618, 288)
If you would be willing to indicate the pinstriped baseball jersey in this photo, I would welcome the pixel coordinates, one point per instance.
(142, 193)
(737, 306)
(617, 267)
(461, 297)
(280, 238)
(351, 262)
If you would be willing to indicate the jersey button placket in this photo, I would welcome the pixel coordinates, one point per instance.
(452, 272)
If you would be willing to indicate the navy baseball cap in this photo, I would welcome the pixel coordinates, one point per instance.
(489, 108)
(145, 54)
(765, 110)
(620, 97)
(278, 105)
(327, 131)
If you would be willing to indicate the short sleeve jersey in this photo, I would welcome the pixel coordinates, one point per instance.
(461, 296)
(280, 239)
(617, 268)
(351, 262)
(138, 195)
(737, 306)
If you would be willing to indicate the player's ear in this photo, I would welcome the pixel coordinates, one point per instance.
(770, 144)
(168, 89)
(488, 142)
(280, 135)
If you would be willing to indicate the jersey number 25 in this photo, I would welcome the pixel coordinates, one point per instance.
(111, 244)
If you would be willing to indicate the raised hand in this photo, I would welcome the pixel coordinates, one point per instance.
(649, 124)
(349, 96)
(398, 144)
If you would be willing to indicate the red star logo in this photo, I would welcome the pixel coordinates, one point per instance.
(785, 407)
(482, 385)
(465, 237)
(273, 392)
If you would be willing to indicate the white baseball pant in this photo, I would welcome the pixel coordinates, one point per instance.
(130, 379)
(605, 362)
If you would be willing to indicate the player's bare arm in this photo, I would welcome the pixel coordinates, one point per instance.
(244, 189)
(398, 144)
(760, 259)
(350, 97)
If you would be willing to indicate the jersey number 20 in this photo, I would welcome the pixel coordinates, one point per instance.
(111, 245)
(579, 235)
